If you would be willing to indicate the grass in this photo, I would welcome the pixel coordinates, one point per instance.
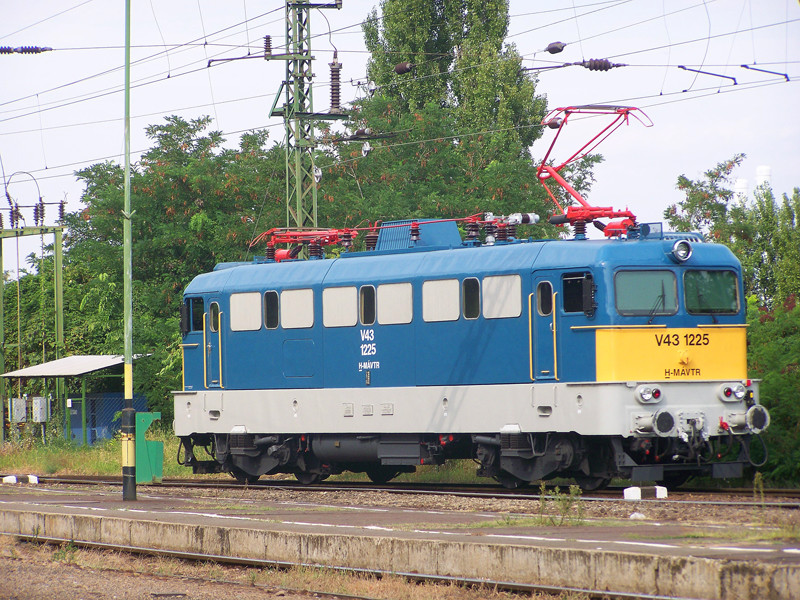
(28, 455)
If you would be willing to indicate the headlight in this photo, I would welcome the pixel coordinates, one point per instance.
(648, 394)
(732, 392)
(681, 251)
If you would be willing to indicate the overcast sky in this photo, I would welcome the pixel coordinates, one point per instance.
(62, 110)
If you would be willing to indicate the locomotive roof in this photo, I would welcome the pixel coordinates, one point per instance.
(456, 262)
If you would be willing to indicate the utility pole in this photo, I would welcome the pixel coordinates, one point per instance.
(298, 111)
(128, 428)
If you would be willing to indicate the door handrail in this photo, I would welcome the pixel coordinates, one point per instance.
(205, 352)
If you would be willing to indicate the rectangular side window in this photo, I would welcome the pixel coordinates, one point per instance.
(196, 313)
(367, 304)
(502, 296)
(271, 315)
(245, 311)
(572, 296)
(395, 304)
(297, 309)
(471, 298)
(440, 300)
(339, 306)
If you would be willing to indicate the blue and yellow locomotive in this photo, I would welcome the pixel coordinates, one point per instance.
(588, 359)
(578, 358)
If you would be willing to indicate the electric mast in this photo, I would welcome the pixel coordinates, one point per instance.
(298, 111)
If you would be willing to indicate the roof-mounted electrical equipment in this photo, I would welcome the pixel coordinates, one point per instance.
(579, 216)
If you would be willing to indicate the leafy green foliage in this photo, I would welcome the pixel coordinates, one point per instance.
(765, 238)
(774, 357)
(458, 127)
(706, 205)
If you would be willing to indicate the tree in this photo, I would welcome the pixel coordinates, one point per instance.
(196, 204)
(461, 122)
(765, 238)
(774, 357)
(706, 203)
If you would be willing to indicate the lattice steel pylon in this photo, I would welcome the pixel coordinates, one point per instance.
(298, 112)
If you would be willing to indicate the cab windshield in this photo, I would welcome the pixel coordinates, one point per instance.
(646, 293)
(711, 292)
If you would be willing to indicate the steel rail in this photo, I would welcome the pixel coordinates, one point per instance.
(509, 586)
(457, 490)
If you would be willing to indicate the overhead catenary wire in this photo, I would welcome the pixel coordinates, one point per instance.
(191, 43)
(618, 55)
(116, 90)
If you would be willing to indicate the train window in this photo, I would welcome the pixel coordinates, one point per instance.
(367, 304)
(246, 311)
(646, 293)
(271, 310)
(471, 298)
(502, 296)
(440, 300)
(194, 315)
(544, 298)
(339, 306)
(395, 304)
(213, 317)
(711, 292)
(297, 309)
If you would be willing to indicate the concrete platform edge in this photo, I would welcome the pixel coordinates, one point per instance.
(601, 570)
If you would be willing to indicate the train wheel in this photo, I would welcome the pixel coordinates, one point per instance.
(382, 474)
(243, 477)
(510, 482)
(591, 484)
(307, 478)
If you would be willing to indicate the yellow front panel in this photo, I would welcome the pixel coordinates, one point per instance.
(658, 353)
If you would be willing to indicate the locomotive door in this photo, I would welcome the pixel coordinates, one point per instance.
(544, 327)
(212, 341)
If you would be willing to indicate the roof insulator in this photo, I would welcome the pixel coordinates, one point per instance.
(32, 49)
(403, 67)
(336, 69)
(555, 47)
(599, 64)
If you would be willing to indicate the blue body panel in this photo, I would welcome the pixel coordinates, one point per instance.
(459, 352)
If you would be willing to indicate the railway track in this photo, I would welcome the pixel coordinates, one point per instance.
(776, 497)
(526, 589)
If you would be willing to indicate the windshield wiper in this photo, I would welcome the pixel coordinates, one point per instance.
(702, 301)
(660, 301)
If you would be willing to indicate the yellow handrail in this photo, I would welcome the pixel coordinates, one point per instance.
(219, 343)
(205, 350)
(530, 334)
(555, 343)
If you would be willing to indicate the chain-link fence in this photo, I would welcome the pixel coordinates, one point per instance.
(41, 415)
